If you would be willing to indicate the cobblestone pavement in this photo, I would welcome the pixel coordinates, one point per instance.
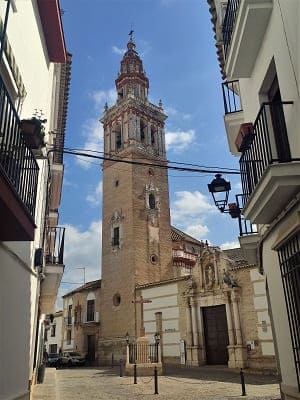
(177, 384)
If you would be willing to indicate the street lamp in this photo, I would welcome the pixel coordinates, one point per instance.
(219, 188)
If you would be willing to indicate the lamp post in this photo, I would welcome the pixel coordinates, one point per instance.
(157, 340)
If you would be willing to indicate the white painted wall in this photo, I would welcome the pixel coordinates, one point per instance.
(19, 285)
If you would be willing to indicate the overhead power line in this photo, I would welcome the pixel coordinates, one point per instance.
(205, 170)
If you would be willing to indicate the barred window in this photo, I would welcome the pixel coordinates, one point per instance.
(289, 258)
(90, 314)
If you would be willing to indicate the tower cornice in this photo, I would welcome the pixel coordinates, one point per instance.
(138, 105)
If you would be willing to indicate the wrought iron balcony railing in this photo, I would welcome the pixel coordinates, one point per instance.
(17, 161)
(231, 98)
(269, 145)
(229, 21)
(55, 241)
(245, 226)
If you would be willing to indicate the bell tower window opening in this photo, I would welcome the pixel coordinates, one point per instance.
(152, 135)
(143, 129)
(116, 236)
(118, 137)
(152, 202)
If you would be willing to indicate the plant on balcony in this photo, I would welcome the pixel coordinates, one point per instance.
(245, 136)
(33, 132)
(234, 210)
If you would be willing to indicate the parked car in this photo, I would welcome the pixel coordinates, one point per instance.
(70, 358)
(52, 359)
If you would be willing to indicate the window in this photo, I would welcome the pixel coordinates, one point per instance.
(90, 312)
(152, 204)
(70, 315)
(289, 259)
(116, 237)
(52, 348)
(152, 135)
(116, 299)
(53, 330)
(69, 336)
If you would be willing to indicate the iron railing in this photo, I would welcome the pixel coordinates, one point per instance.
(245, 226)
(55, 241)
(263, 151)
(17, 162)
(143, 353)
(229, 21)
(231, 98)
(289, 259)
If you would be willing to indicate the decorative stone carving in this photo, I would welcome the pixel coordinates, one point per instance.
(209, 277)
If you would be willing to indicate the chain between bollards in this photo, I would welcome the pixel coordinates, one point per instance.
(243, 382)
(134, 374)
(121, 367)
(155, 381)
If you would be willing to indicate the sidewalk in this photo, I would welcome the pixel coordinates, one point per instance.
(205, 383)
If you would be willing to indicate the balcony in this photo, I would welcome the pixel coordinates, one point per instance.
(18, 176)
(234, 115)
(182, 258)
(243, 31)
(270, 177)
(54, 268)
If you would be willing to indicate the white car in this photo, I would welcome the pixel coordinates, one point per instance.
(71, 358)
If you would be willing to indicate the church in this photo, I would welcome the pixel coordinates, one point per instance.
(208, 306)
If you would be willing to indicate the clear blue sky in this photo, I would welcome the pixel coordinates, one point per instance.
(175, 41)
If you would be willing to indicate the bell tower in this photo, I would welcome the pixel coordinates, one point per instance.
(136, 232)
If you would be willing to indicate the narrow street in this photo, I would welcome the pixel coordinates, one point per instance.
(176, 384)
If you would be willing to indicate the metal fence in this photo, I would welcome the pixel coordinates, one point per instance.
(17, 161)
(55, 241)
(143, 353)
(263, 150)
(229, 21)
(231, 97)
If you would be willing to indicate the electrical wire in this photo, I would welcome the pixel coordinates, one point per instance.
(162, 165)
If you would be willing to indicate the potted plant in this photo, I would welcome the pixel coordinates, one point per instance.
(33, 132)
(245, 136)
(234, 210)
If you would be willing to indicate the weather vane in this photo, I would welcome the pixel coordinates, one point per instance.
(131, 32)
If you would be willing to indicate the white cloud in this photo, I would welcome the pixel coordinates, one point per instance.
(95, 198)
(180, 140)
(118, 50)
(197, 231)
(82, 249)
(171, 111)
(189, 211)
(230, 245)
(93, 132)
(100, 97)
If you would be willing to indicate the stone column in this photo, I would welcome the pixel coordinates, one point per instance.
(194, 322)
(229, 319)
(202, 355)
(189, 335)
(236, 316)
(158, 320)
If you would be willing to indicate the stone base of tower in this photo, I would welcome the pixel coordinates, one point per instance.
(111, 351)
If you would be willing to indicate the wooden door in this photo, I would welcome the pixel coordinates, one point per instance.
(91, 341)
(216, 334)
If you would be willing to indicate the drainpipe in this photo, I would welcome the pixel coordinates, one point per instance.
(3, 36)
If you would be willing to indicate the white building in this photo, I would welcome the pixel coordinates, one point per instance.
(258, 49)
(54, 334)
(34, 80)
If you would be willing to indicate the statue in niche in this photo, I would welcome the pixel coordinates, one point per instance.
(209, 277)
(228, 280)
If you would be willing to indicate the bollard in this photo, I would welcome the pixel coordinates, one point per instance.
(243, 383)
(155, 381)
(112, 360)
(134, 374)
(121, 367)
